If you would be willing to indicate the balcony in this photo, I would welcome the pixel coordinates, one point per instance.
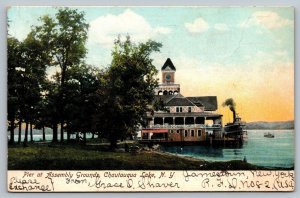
(186, 126)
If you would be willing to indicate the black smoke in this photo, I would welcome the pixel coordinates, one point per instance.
(231, 104)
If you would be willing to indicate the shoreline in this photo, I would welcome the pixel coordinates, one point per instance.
(228, 161)
(80, 157)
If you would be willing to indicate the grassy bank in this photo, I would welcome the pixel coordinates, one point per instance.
(75, 157)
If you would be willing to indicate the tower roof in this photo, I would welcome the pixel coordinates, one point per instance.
(169, 64)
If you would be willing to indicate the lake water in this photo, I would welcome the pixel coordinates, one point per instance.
(269, 152)
(38, 136)
(259, 150)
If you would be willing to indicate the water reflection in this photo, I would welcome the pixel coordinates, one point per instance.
(269, 152)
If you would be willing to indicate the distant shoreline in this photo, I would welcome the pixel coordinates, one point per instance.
(281, 125)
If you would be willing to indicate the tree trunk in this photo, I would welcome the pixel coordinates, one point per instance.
(12, 130)
(84, 137)
(113, 144)
(77, 136)
(31, 135)
(68, 132)
(61, 103)
(26, 133)
(93, 135)
(62, 131)
(54, 139)
(20, 130)
(44, 135)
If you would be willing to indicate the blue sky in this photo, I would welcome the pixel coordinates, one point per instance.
(242, 52)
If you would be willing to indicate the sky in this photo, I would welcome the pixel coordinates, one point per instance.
(244, 53)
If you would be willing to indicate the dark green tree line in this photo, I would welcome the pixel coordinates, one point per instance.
(79, 98)
(66, 35)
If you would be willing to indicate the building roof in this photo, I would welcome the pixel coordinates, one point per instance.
(173, 100)
(186, 114)
(209, 102)
(179, 100)
(164, 98)
(169, 64)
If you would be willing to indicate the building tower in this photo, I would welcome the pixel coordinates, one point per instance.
(168, 86)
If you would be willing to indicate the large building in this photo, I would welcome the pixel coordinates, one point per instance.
(181, 119)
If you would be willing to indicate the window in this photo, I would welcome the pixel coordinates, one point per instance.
(199, 132)
(190, 109)
(178, 109)
(185, 133)
(178, 131)
(171, 131)
(192, 133)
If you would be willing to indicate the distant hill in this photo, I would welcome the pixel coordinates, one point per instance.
(270, 125)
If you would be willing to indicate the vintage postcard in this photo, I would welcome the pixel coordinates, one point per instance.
(138, 99)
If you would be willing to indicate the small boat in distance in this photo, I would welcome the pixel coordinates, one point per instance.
(269, 135)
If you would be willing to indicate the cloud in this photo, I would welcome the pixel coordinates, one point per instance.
(105, 29)
(221, 27)
(197, 26)
(268, 19)
(271, 19)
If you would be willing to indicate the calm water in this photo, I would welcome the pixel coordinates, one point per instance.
(268, 152)
(38, 136)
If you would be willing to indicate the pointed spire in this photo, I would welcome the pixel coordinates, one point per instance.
(169, 64)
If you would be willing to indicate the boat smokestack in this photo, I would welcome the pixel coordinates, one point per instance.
(234, 115)
(231, 104)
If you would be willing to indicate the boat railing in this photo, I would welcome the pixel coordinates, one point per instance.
(214, 126)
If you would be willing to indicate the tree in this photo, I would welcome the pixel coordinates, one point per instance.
(35, 60)
(13, 63)
(27, 61)
(42, 118)
(65, 35)
(82, 99)
(130, 88)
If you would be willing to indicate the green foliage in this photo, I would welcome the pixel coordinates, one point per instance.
(159, 106)
(13, 79)
(14, 61)
(65, 35)
(82, 98)
(129, 88)
(27, 61)
(112, 102)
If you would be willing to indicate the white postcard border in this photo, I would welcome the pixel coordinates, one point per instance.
(150, 181)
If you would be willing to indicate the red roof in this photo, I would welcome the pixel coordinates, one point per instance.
(155, 131)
